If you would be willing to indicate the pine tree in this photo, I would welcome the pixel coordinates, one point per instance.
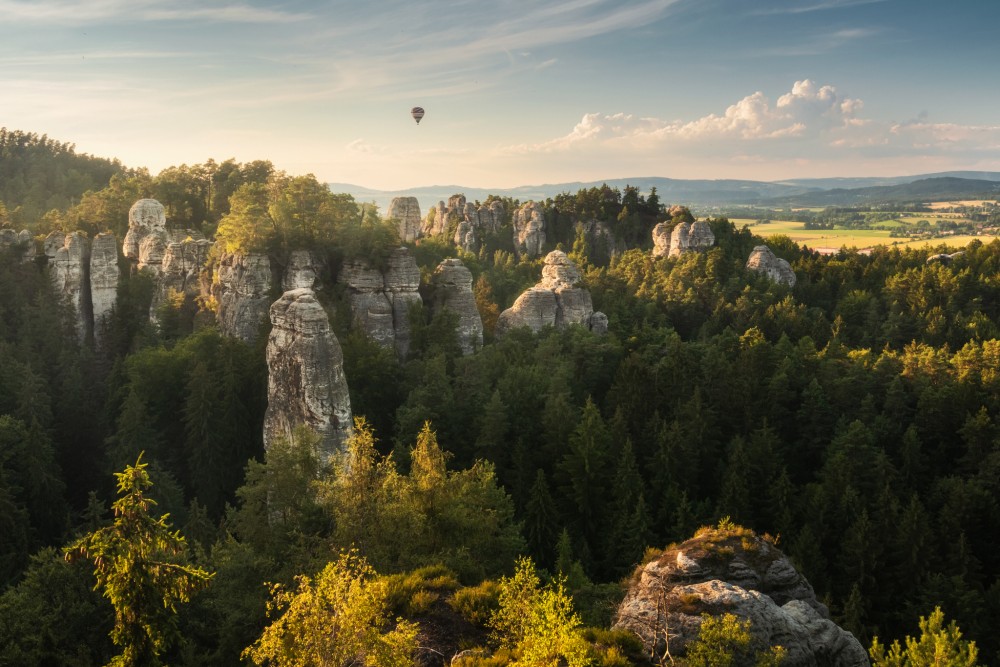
(139, 564)
(541, 520)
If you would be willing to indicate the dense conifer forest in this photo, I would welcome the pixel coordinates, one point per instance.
(853, 418)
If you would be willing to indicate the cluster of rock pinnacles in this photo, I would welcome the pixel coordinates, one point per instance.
(306, 379)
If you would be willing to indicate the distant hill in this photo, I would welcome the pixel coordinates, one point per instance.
(723, 192)
(924, 190)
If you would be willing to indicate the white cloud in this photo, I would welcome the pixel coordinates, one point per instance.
(809, 120)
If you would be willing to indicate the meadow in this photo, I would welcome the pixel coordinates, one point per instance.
(834, 239)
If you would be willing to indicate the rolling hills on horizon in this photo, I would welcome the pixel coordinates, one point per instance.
(843, 191)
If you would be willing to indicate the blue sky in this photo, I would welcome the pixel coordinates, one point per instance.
(517, 92)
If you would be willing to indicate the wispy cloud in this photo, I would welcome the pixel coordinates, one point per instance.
(130, 11)
(799, 8)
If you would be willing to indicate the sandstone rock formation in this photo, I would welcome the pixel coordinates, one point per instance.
(529, 230)
(452, 283)
(557, 301)
(402, 280)
(241, 289)
(303, 269)
(21, 241)
(147, 218)
(762, 260)
(406, 210)
(103, 279)
(471, 222)
(306, 383)
(734, 571)
(945, 258)
(69, 269)
(661, 240)
(180, 269)
(685, 237)
(371, 311)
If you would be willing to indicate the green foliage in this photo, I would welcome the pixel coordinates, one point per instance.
(477, 604)
(337, 619)
(139, 566)
(938, 644)
(726, 640)
(537, 622)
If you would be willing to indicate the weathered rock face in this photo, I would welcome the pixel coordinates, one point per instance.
(452, 284)
(241, 291)
(306, 383)
(69, 269)
(146, 218)
(529, 230)
(720, 572)
(406, 210)
(471, 222)
(180, 270)
(556, 301)
(103, 279)
(661, 240)
(303, 270)
(21, 240)
(701, 236)
(685, 237)
(465, 237)
(371, 310)
(762, 260)
(402, 280)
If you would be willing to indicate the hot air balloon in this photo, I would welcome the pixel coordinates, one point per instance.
(417, 113)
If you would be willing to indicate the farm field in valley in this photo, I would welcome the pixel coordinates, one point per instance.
(834, 239)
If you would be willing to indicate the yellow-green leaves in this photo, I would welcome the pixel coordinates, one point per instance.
(337, 619)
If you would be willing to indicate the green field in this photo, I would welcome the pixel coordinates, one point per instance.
(851, 238)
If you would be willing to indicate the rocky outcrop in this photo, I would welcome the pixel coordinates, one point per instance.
(20, 241)
(306, 384)
(452, 290)
(701, 236)
(180, 270)
(685, 237)
(945, 258)
(241, 289)
(778, 270)
(406, 212)
(402, 280)
(104, 275)
(661, 240)
(529, 230)
(734, 571)
(371, 311)
(303, 269)
(147, 218)
(380, 302)
(471, 222)
(69, 269)
(557, 301)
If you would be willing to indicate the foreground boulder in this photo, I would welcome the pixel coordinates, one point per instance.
(762, 260)
(305, 381)
(731, 570)
(556, 301)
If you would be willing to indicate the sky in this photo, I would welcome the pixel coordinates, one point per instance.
(516, 92)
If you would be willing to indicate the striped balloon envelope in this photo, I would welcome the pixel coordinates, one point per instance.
(417, 113)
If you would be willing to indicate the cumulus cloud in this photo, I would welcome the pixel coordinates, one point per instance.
(810, 119)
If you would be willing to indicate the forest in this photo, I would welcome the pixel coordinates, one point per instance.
(853, 418)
